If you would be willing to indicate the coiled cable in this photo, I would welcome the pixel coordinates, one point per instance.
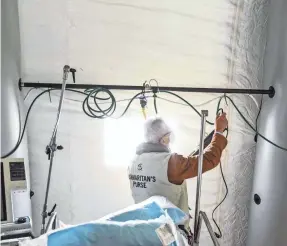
(95, 110)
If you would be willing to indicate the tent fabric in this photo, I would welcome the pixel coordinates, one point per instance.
(246, 71)
(182, 43)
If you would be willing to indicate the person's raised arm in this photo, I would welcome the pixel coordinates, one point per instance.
(181, 168)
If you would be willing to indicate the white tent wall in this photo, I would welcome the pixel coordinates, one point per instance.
(245, 70)
(186, 43)
(11, 101)
(267, 218)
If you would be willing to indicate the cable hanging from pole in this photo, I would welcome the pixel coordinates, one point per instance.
(97, 111)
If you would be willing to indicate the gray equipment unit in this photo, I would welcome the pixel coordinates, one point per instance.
(268, 213)
(16, 221)
(15, 196)
(13, 233)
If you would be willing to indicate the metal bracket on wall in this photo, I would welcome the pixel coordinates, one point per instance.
(20, 84)
(272, 92)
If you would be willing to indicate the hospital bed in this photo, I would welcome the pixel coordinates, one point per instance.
(155, 221)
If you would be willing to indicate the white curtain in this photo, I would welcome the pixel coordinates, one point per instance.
(178, 43)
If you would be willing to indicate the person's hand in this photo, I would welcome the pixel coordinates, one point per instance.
(221, 122)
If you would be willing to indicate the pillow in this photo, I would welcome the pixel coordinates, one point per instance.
(160, 231)
(151, 208)
(137, 212)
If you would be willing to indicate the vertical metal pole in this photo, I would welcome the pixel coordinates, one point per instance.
(66, 71)
(203, 216)
(204, 114)
(52, 147)
(52, 222)
(45, 213)
(198, 229)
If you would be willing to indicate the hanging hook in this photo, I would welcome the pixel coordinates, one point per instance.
(154, 89)
(224, 95)
(144, 88)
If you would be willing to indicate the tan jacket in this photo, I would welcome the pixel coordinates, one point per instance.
(181, 168)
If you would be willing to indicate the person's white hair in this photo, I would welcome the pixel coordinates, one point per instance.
(155, 128)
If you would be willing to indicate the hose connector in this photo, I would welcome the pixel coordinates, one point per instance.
(143, 103)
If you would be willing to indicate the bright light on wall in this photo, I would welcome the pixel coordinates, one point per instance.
(121, 139)
(122, 136)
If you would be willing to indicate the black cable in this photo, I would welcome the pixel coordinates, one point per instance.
(184, 104)
(129, 104)
(154, 103)
(20, 127)
(21, 135)
(254, 129)
(81, 101)
(220, 110)
(28, 93)
(219, 234)
(88, 94)
(239, 112)
(98, 112)
(92, 93)
(257, 117)
(171, 93)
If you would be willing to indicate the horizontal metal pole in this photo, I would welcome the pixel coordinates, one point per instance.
(269, 91)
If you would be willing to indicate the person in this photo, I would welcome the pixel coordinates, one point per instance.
(157, 171)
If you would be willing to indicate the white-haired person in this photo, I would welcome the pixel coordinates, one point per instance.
(155, 170)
